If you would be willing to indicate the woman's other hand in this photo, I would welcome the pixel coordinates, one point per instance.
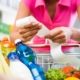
(59, 34)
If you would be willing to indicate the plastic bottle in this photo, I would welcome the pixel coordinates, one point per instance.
(36, 70)
(18, 69)
(25, 51)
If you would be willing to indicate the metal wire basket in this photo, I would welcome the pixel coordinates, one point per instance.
(46, 61)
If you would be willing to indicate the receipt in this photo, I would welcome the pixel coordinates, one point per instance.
(31, 20)
(55, 49)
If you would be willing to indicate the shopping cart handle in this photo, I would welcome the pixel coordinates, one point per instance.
(71, 45)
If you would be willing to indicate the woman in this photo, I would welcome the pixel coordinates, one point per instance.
(54, 14)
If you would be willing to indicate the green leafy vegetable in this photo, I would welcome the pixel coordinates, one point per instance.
(55, 74)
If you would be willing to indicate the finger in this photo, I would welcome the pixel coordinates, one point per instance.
(22, 31)
(60, 36)
(27, 39)
(35, 27)
(29, 33)
(31, 26)
(63, 40)
(27, 26)
(53, 34)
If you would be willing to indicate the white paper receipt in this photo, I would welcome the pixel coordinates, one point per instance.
(42, 32)
(30, 19)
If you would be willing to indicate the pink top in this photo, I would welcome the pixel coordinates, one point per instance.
(64, 10)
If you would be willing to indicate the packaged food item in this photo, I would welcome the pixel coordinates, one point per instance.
(18, 69)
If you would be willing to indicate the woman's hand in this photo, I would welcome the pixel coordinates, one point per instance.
(29, 31)
(59, 34)
(26, 33)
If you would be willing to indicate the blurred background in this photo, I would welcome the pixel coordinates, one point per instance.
(8, 10)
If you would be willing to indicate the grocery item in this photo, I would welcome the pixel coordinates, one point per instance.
(76, 74)
(6, 46)
(70, 71)
(18, 69)
(4, 68)
(35, 69)
(25, 51)
(65, 73)
(55, 74)
(72, 78)
(1, 68)
(0, 47)
(27, 56)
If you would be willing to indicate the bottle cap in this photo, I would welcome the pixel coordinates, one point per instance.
(17, 41)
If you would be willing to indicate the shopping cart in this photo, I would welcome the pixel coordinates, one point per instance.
(47, 62)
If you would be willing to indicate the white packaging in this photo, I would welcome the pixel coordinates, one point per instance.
(19, 70)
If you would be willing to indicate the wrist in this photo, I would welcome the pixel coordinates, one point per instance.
(75, 34)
